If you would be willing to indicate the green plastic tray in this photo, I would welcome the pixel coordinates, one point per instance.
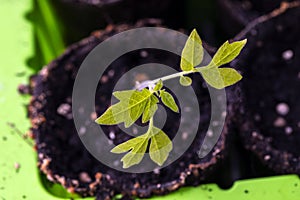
(40, 40)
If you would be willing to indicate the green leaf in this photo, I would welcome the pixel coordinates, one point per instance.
(185, 81)
(227, 52)
(192, 53)
(130, 107)
(158, 85)
(150, 109)
(220, 77)
(168, 100)
(160, 146)
(137, 147)
(230, 76)
(212, 77)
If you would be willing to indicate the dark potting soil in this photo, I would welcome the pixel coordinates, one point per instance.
(270, 127)
(236, 14)
(80, 17)
(63, 157)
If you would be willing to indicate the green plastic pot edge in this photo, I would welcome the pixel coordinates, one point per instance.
(20, 178)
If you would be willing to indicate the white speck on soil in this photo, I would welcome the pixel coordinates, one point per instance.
(257, 117)
(156, 171)
(210, 133)
(282, 109)
(224, 113)
(104, 79)
(93, 116)
(254, 134)
(65, 110)
(134, 130)
(216, 152)
(112, 135)
(267, 157)
(82, 130)
(41, 156)
(288, 130)
(184, 135)
(287, 55)
(144, 54)
(279, 122)
(84, 177)
(111, 73)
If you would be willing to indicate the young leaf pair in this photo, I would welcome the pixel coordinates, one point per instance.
(134, 104)
(192, 56)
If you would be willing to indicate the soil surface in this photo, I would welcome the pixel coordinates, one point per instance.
(236, 14)
(64, 159)
(270, 125)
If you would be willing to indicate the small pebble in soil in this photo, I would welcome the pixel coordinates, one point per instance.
(112, 135)
(135, 131)
(156, 171)
(287, 55)
(84, 177)
(298, 124)
(184, 136)
(82, 130)
(279, 122)
(224, 113)
(104, 79)
(267, 157)
(64, 110)
(288, 130)
(17, 166)
(93, 116)
(144, 54)
(210, 133)
(111, 73)
(254, 134)
(282, 109)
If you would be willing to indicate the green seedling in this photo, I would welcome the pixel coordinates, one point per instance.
(142, 102)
